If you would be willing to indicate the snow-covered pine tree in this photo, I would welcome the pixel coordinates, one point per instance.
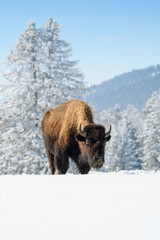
(57, 66)
(123, 150)
(112, 117)
(113, 153)
(132, 127)
(151, 133)
(20, 110)
(34, 87)
(131, 153)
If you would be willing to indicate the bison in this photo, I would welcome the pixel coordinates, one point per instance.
(69, 131)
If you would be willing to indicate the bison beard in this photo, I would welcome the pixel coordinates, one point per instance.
(69, 131)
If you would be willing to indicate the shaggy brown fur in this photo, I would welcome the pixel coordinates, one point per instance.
(60, 131)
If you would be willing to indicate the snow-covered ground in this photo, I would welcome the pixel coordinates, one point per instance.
(123, 205)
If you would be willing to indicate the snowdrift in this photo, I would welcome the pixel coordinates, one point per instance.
(110, 206)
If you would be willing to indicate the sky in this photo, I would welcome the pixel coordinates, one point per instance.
(108, 37)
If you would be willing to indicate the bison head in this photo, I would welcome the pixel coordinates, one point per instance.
(92, 142)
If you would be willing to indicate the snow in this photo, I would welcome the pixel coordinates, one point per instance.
(122, 205)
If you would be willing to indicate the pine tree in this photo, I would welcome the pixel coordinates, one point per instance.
(41, 76)
(57, 66)
(112, 116)
(131, 147)
(151, 133)
(21, 111)
(123, 150)
(113, 150)
(132, 127)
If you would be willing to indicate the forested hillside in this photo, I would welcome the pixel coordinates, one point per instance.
(133, 88)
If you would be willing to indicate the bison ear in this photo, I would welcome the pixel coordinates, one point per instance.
(80, 138)
(107, 138)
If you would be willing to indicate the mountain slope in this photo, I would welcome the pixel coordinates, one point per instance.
(133, 88)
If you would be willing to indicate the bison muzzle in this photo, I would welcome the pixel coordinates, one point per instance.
(69, 131)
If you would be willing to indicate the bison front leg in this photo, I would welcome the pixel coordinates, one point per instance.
(50, 159)
(62, 162)
(51, 162)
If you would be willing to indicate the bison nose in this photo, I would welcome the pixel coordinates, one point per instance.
(98, 161)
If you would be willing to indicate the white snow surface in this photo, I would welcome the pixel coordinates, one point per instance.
(124, 205)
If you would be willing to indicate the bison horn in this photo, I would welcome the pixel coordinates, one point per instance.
(108, 133)
(83, 134)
